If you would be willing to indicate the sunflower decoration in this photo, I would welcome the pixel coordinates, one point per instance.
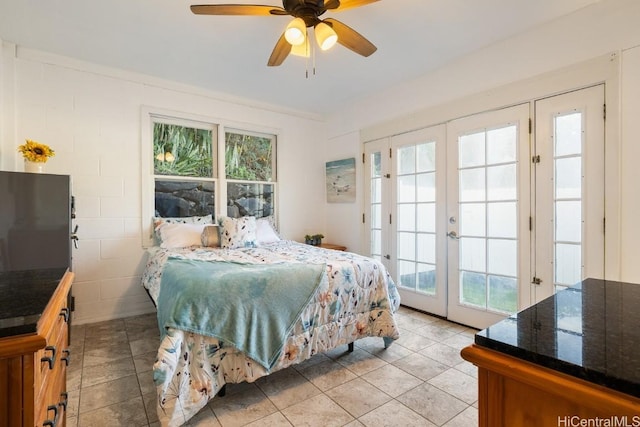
(34, 151)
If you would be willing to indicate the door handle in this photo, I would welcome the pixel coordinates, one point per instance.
(453, 235)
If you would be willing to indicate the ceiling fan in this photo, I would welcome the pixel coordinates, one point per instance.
(306, 14)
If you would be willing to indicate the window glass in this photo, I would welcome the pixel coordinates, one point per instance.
(249, 157)
(182, 150)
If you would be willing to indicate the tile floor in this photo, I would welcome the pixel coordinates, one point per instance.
(420, 380)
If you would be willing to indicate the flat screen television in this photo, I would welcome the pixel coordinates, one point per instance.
(35, 221)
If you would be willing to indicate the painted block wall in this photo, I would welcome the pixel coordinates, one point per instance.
(91, 116)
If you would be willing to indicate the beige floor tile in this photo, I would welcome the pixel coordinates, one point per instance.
(389, 354)
(287, 387)
(457, 384)
(466, 418)
(392, 380)
(242, 408)
(360, 362)
(358, 397)
(327, 374)
(273, 420)
(443, 354)
(105, 394)
(127, 413)
(432, 403)
(393, 414)
(421, 366)
(413, 341)
(319, 411)
(118, 390)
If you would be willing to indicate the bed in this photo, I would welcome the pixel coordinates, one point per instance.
(237, 313)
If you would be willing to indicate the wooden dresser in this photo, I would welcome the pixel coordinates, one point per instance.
(570, 360)
(34, 351)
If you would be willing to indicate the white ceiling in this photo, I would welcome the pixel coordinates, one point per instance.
(228, 54)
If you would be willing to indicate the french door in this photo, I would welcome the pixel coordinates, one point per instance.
(488, 215)
(484, 215)
(569, 192)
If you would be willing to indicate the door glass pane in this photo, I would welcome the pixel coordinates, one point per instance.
(471, 151)
(568, 262)
(472, 186)
(503, 294)
(426, 187)
(569, 177)
(472, 219)
(567, 186)
(569, 221)
(488, 210)
(472, 254)
(501, 182)
(376, 205)
(426, 157)
(501, 145)
(416, 216)
(407, 246)
(502, 219)
(426, 248)
(407, 217)
(426, 278)
(406, 189)
(406, 160)
(502, 256)
(426, 220)
(568, 134)
(473, 289)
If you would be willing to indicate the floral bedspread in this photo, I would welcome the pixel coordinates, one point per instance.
(357, 301)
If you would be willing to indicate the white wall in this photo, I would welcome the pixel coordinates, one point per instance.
(600, 29)
(91, 117)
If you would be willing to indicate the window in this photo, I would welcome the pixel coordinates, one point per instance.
(250, 173)
(187, 170)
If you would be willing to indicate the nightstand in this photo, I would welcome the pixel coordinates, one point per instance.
(334, 247)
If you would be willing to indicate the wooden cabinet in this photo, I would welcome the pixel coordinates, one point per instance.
(332, 246)
(513, 392)
(33, 367)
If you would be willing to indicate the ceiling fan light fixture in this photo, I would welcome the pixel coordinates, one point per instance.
(303, 49)
(296, 32)
(325, 36)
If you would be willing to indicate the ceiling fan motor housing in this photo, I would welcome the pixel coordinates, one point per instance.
(308, 10)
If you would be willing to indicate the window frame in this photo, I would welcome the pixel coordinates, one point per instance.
(219, 128)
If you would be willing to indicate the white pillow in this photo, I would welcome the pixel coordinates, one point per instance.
(238, 232)
(180, 235)
(158, 221)
(265, 233)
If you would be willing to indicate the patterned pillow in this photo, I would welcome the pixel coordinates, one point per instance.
(238, 232)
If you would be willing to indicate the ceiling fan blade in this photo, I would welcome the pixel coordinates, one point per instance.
(280, 52)
(237, 9)
(346, 4)
(350, 38)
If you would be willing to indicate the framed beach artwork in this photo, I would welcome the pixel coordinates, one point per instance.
(341, 181)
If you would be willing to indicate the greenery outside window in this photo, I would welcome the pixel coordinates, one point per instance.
(250, 166)
(184, 168)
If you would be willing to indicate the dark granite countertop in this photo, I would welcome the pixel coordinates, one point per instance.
(590, 331)
(23, 298)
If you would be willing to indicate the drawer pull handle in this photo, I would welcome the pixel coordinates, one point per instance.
(67, 356)
(65, 399)
(49, 422)
(65, 313)
(50, 360)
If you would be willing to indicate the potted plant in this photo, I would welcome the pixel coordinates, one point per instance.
(313, 239)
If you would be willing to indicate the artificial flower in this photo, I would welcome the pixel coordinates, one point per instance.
(35, 151)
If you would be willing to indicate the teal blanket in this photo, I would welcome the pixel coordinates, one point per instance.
(250, 306)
